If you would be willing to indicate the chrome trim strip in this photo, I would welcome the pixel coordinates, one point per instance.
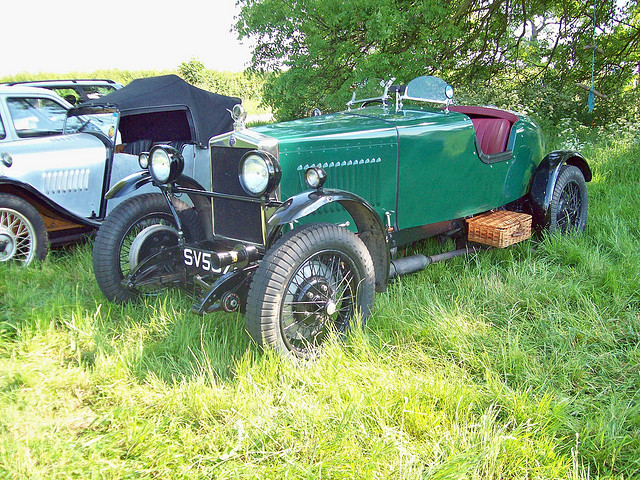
(247, 138)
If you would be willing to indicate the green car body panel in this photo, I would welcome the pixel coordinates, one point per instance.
(416, 167)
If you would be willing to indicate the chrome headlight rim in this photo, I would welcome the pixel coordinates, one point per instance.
(165, 164)
(315, 177)
(272, 170)
(143, 160)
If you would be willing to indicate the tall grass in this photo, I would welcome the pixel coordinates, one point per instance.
(515, 363)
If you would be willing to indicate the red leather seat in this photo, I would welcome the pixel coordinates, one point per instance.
(492, 134)
(492, 126)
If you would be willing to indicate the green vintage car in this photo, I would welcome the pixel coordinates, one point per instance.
(304, 218)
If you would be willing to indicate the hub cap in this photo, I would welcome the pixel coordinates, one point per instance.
(150, 241)
(320, 298)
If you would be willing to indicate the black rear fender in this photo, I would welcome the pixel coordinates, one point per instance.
(544, 180)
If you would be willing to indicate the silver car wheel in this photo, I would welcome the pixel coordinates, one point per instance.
(17, 237)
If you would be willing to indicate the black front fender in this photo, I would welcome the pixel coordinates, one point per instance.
(544, 181)
(369, 224)
(308, 202)
(129, 184)
(137, 180)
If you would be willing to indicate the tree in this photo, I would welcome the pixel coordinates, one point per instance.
(515, 49)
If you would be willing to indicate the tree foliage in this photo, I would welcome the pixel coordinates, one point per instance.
(236, 84)
(517, 53)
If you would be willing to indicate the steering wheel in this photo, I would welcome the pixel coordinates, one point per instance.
(371, 102)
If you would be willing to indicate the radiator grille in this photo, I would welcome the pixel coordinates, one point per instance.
(232, 218)
(65, 181)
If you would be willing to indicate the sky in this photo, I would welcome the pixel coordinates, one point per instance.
(61, 37)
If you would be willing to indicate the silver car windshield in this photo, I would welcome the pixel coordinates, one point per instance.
(105, 123)
(422, 89)
(428, 89)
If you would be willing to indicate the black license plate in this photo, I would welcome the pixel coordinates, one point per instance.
(200, 261)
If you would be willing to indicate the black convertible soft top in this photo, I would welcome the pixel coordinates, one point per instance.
(169, 109)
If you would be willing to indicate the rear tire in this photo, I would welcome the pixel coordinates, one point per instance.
(310, 284)
(569, 204)
(136, 229)
(23, 235)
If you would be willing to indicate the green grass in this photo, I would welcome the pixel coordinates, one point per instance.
(520, 363)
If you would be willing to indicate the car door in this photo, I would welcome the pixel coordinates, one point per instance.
(441, 176)
(68, 169)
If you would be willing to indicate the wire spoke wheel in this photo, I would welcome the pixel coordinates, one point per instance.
(310, 285)
(23, 237)
(318, 300)
(141, 242)
(170, 238)
(135, 230)
(16, 237)
(570, 207)
(569, 204)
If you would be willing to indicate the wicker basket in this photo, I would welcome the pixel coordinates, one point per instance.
(499, 229)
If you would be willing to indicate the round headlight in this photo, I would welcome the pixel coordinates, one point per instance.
(315, 177)
(143, 160)
(165, 164)
(259, 173)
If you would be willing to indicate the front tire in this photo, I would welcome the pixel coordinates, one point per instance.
(136, 229)
(310, 284)
(569, 204)
(23, 235)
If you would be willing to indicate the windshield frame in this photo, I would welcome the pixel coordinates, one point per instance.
(94, 111)
(384, 84)
(445, 97)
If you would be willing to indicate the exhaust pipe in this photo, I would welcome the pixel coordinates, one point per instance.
(243, 255)
(415, 263)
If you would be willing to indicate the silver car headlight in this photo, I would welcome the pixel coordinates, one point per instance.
(259, 173)
(143, 160)
(315, 177)
(165, 164)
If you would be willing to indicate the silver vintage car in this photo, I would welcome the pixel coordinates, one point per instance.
(57, 162)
